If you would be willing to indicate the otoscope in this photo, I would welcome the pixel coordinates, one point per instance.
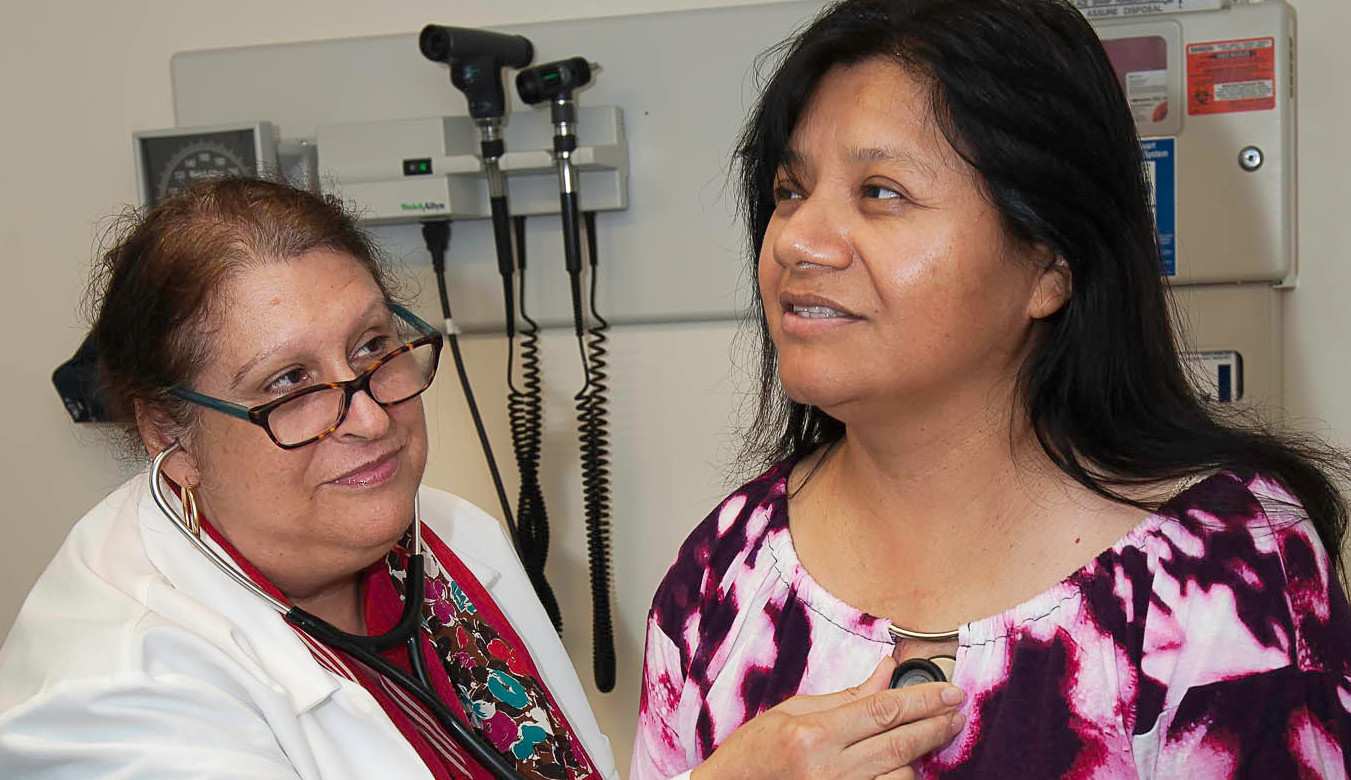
(556, 82)
(476, 59)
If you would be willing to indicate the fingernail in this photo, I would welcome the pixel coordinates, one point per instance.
(952, 695)
(958, 721)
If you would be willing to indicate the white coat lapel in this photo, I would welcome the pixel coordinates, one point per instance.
(237, 621)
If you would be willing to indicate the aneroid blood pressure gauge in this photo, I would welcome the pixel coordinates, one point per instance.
(170, 161)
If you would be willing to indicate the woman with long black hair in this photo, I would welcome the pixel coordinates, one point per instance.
(983, 452)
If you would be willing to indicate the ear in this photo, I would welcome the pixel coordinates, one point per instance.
(1053, 288)
(154, 426)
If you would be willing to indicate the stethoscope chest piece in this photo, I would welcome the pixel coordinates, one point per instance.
(917, 671)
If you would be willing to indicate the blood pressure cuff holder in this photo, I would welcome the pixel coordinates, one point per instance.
(77, 382)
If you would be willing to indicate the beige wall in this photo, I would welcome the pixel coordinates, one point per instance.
(78, 78)
(1317, 318)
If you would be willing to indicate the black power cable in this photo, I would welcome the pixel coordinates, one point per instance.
(476, 59)
(436, 234)
(525, 408)
(592, 428)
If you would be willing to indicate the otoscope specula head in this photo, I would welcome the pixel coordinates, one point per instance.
(440, 43)
(476, 59)
(553, 79)
(434, 41)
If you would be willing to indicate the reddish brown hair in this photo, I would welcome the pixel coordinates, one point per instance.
(155, 291)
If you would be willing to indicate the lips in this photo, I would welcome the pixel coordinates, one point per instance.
(814, 306)
(372, 473)
(806, 313)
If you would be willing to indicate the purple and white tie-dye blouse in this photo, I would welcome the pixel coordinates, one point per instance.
(1211, 641)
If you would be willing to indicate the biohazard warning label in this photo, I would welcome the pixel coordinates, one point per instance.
(1224, 77)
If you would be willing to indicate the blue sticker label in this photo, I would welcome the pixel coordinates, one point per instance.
(1161, 174)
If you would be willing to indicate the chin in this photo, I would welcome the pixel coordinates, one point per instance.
(811, 388)
(377, 523)
(376, 517)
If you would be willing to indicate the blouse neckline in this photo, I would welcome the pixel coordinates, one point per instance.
(991, 628)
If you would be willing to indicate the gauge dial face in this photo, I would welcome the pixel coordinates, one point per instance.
(196, 163)
(173, 163)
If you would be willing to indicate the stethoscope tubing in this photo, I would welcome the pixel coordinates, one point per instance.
(365, 649)
(162, 501)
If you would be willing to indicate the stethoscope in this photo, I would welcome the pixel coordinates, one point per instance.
(365, 649)
(917, 671)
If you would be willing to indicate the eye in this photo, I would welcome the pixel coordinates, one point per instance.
(292, 379)
(880, 192)
(785, 192)
(786, 186)
(375, 347)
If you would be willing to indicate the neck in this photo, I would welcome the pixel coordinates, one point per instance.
(937, 518)
(323, 581)
(962, 482)
(338, 603)
(963, 455)
(968, 479)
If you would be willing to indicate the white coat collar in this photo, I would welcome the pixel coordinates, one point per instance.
(462, 545)
(247, 627)
(242, 624)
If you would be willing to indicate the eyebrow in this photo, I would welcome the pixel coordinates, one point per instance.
(285, 345)
(791, 159)
(888, 154)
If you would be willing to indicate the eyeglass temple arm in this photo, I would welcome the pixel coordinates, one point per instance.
(412, 319)
(234, 410)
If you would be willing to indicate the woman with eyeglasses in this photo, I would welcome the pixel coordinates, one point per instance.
(248, 334)
(278, 597)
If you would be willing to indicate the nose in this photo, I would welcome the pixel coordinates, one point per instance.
(365, 418)
(813, 233)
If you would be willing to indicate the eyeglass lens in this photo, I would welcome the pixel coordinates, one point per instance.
(397, 379)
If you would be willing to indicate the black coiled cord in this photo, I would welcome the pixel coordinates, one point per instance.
(525, 410)
(593, 418)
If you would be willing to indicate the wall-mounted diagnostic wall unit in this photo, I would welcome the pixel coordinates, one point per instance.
(1212, 86)
(404, 170)
(1211, 83)
(655, 133)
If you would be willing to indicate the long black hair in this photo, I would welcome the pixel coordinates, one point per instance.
(1023, 90)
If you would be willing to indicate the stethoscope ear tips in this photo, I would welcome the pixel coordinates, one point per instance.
(916, 671)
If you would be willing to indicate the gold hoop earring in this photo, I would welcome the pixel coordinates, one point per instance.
(191, 516)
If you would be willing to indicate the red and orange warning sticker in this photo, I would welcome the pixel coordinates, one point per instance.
(1224, 77)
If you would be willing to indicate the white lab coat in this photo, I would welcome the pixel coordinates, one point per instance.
(134, 656)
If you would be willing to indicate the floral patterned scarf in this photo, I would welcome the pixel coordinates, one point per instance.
(490, 668)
